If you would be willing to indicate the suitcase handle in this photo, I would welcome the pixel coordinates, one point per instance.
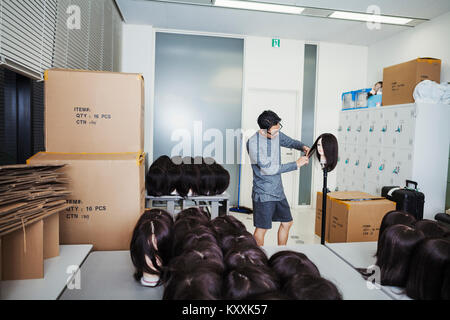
(408, 182)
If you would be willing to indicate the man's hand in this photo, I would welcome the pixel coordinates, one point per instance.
(306, 150)
(302, 161)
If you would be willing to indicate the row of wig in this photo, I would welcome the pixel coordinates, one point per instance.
(204, 259)
(186, 176)
(414, 255)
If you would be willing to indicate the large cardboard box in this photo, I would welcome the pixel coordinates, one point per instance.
(400, 80)
(22, 253)
(108, 196)
(352, 216)
(93, 111)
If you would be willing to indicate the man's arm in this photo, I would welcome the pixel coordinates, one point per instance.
(264, 162)
(288, 142)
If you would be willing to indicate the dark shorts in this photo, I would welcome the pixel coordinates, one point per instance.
(266, 212)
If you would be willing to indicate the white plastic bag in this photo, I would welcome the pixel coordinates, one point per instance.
(432, 92)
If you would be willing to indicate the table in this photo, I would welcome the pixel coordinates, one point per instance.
(362, 255)
(212, 201)
(56, 276)
(349, 282)
(108, 275)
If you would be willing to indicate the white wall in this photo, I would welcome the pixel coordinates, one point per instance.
(430, 39)
(274, 70)
(138, 57)
(340, 68)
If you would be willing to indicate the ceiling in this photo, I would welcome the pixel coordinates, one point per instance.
(167, 15)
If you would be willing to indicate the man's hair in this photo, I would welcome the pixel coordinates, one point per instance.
(268, 119)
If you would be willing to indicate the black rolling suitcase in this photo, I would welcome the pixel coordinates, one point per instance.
(407, 199)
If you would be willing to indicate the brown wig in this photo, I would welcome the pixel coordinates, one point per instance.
(196, 285)
(397, 243)
(245, 255)
(431, 229)
(286, 264)
(152, 238)
(330, 149)
(246, 281)
(311, 287)
(429, 272)
(392, 218)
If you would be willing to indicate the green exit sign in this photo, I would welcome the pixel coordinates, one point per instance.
(275, 43)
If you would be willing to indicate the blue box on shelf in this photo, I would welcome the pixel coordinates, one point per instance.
(348, 100)
(375, 101)
(361, 98)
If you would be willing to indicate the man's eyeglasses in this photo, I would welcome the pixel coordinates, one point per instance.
(281, 126)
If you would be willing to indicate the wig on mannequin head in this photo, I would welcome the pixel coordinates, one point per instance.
(227, 223)
(397, 243)
(392, 218)
(196, 285)
(192, 239)
(286, 264)
(194, 212)
(233, 239)
(271, 295)
(431, 229)
(330, 150)
(221, 179)
(156, 178)
(242, 282)
(429, 274)
(150, 246)
(205, 254)
(245, 255)
(311, 287)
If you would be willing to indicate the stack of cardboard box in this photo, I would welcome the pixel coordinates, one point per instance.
(400, 80)
(94, 123)
(30, 199)
(352, 216)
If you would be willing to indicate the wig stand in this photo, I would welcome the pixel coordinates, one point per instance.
(324, 206)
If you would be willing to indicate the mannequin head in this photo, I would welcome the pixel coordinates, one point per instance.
(326, 149)
(311, 287)
(287, 263)
(150, 244)
(392, 218)
(397, 243)
(242, 255)
(197, 285)
(245, 281)
(431, 229)
(428, 278)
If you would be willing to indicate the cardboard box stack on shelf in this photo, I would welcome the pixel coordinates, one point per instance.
(94, 123)
(352, 216)
(400, 80)
(30, 201)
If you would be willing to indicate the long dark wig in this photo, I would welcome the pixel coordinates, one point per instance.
(239, 283)
(330, 149)
(286, 264)
(428, 277)
(392, 218)
(152, 238)
(311, 287)
(398, 243)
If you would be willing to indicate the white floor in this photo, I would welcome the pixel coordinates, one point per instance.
(302, 231)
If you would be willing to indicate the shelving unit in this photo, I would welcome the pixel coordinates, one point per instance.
(384, 146)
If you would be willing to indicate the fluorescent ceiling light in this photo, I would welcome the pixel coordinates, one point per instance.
(369, 17)
(259, 6)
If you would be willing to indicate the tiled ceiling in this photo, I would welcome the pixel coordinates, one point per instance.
(206, 18)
